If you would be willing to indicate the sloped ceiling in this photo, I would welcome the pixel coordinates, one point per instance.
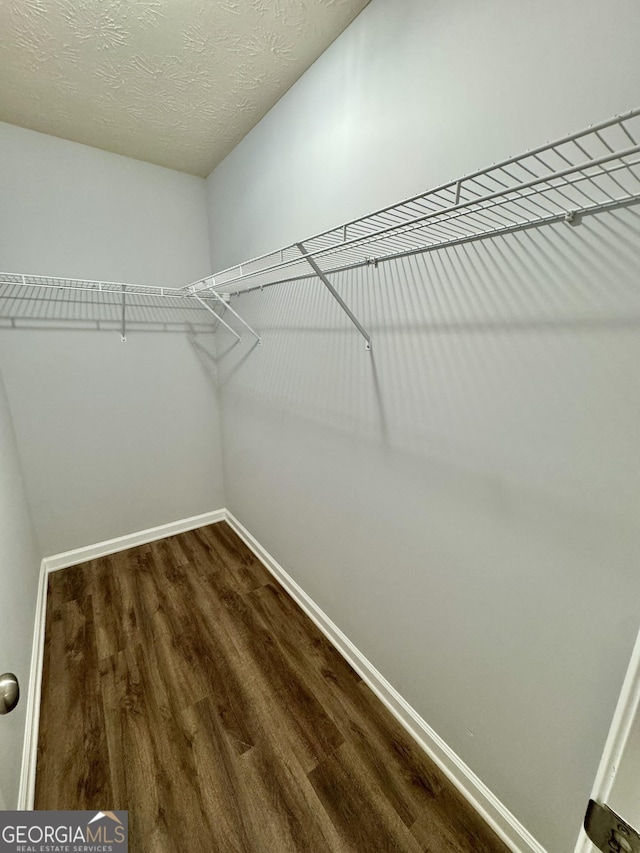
(174, 82)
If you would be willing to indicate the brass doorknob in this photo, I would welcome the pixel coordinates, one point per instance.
(9, 692)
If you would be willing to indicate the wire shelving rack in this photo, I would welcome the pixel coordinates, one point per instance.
(588, 172)
(130, 298)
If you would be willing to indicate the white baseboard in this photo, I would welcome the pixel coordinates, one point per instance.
(26, 791)
(130, 540)
(504, 823)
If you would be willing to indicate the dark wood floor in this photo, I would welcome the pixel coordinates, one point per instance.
(182, 683)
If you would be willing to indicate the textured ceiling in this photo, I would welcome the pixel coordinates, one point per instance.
(174, 82)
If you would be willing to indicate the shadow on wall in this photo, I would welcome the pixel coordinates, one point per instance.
(477, 469)
(210, 353)
(459, 335)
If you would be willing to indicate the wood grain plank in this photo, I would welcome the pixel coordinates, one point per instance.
(71, 714)
(361, 814)
(309, 732)
(247, 571)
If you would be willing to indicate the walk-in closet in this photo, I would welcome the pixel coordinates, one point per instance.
(319, 406)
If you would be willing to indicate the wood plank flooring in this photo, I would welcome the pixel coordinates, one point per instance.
(181, 683)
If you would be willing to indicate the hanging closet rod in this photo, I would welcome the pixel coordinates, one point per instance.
(590, 171)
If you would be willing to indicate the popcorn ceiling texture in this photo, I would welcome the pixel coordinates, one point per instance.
(174, 82)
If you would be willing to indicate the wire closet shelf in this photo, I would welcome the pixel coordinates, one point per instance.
(588, 172)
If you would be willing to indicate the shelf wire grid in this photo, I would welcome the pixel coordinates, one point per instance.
(30, 301)
(590, 171)
(587, 172)
(87, 285)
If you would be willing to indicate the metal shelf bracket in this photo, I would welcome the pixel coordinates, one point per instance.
(123, 330)
(314, 266)
(216, 315)
(228, 307)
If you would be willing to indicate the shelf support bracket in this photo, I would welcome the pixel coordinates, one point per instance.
(314, 266)
(217, 316)
(235, 314)
(123, 329)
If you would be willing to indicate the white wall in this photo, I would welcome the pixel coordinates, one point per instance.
(463, 501)
(113, 437)
(19, 566)
(70, 210)
(414, 94)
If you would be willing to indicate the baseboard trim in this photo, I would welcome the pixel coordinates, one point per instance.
(503, 822)
(26, 791)
(130, 540)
